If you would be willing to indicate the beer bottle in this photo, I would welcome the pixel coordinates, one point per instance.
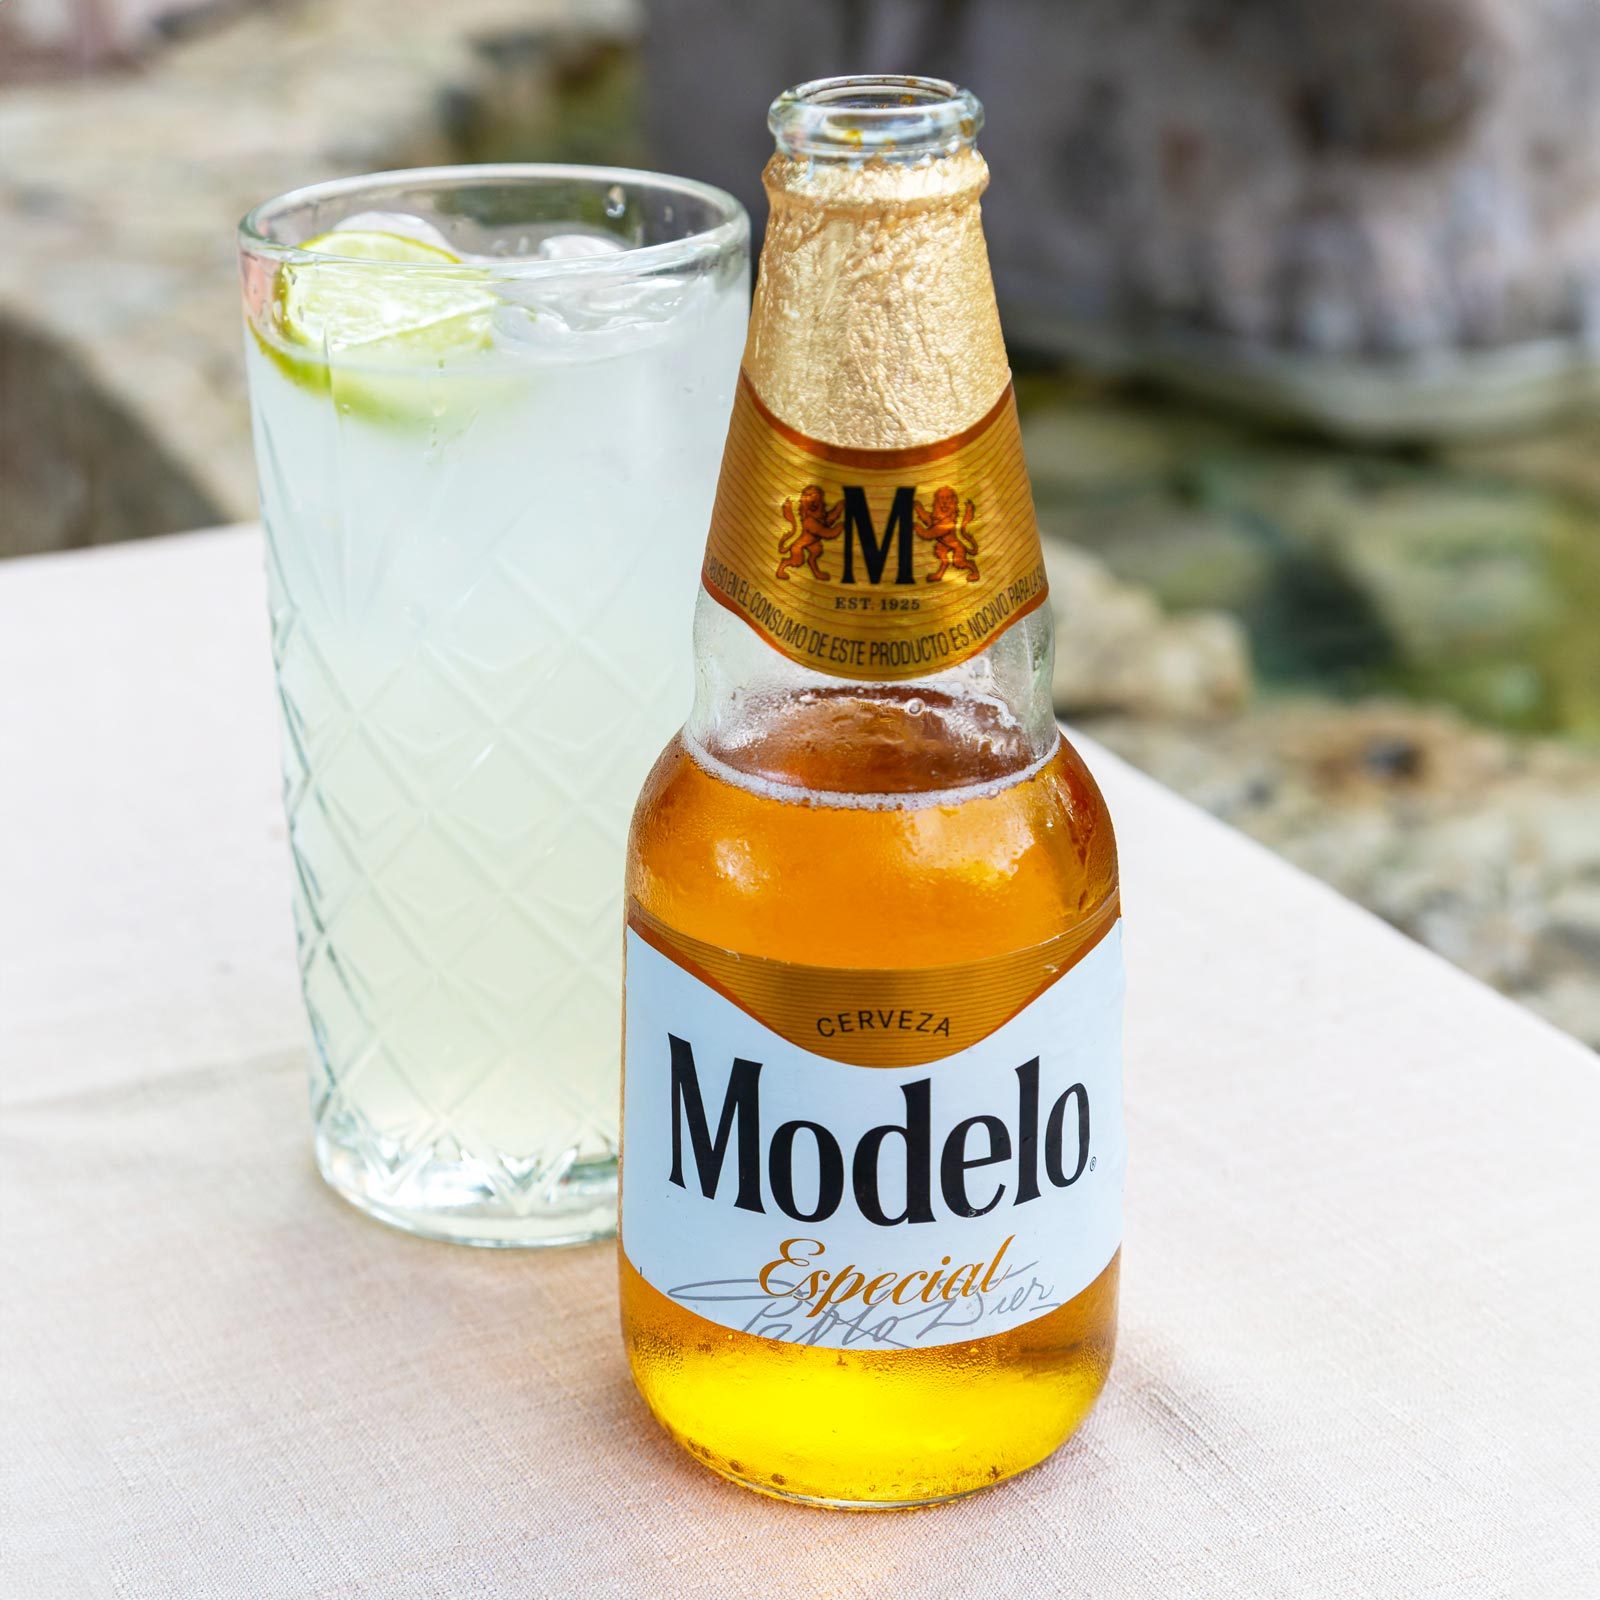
(872, 1128)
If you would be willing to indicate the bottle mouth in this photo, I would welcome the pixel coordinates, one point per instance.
(882, 116)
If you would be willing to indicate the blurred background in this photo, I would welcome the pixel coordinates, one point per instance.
(1304, 301)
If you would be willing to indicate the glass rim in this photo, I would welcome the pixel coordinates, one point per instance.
(732, 228)
(875, 114)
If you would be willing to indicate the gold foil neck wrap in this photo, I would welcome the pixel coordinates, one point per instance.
(874, 323)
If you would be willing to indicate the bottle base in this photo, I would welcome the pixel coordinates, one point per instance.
(455, 1206)
(828, 1503)
(869, 1430)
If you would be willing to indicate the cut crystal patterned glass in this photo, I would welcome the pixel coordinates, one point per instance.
(480, 597)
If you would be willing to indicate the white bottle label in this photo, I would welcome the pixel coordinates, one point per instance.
(797, 1197)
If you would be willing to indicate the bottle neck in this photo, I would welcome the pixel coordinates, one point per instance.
(873, 594)
(772, 720)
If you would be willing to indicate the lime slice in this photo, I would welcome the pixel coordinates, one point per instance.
(376, 340)
(340, 306)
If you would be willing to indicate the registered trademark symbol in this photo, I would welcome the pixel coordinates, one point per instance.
(1091, 1163)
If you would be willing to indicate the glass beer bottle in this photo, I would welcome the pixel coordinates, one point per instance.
(872, 1129)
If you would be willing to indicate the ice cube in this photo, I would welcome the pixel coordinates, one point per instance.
(533, 329)
(578, 246)
(569, 319)
(594, 311)
(595, 304)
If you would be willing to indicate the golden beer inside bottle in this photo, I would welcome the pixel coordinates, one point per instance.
(741, 865)
(828, 821)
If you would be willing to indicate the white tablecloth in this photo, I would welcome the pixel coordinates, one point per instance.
(1360, 1344)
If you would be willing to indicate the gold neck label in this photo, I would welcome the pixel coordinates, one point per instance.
(875, 565)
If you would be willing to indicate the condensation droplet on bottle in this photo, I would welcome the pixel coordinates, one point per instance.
(915, 706)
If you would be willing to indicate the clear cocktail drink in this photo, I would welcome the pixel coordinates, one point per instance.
(489, 407)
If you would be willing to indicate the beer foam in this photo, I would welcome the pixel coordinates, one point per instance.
(845, 800)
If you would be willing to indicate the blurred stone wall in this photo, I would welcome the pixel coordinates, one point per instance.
(122, 400)
(62, 38)
(1378, 216)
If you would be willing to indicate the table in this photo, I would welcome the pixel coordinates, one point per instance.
(1361, 1320)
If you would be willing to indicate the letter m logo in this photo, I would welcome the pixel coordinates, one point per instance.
(874, 550)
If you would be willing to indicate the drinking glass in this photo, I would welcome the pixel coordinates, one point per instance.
(489, 405)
